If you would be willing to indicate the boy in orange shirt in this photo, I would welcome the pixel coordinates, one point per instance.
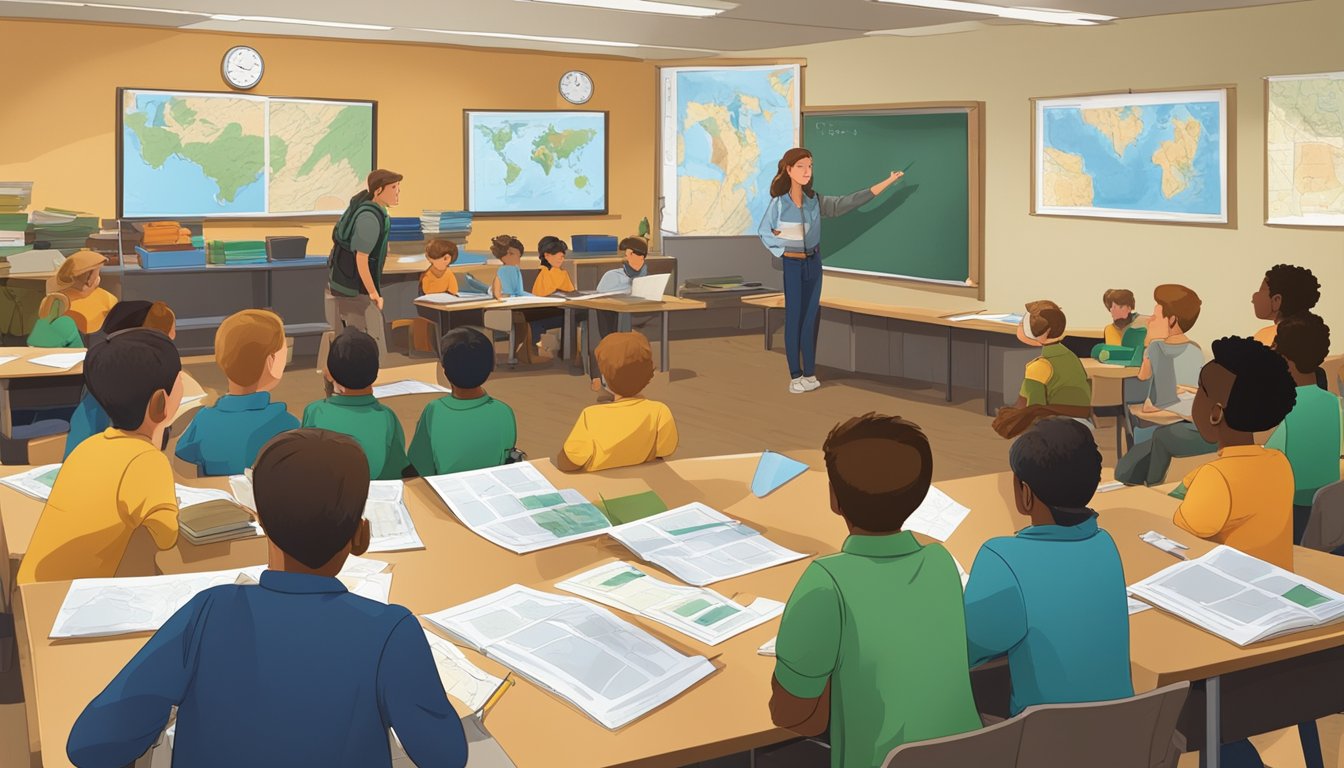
(438, 278)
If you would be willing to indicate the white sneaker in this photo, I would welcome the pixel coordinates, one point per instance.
(810, 383)
(797, 386)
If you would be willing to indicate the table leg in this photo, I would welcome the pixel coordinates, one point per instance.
(1213, 723)
(664, 345)
(1120, 433)
(769, 337)
(567, 333)
(988, 410)
(6, 415)
(949, 365)
(513, 357)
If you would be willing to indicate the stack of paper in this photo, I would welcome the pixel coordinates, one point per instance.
(36, 482)
(33, 261)
(64, 230)
(612, 671)
(404, 229)
(408, 387)
(15, 196)
(518, 509)
(13, 229)
(937, 516)
(231, 252)
(700, 545)
(207, 516)
(446, 225)
(700, 613)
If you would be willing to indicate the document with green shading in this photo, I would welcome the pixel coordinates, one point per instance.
(703, 614)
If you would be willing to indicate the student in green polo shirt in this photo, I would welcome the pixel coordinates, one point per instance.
(468, 429)
(1054, 384)
(846, 653)
(54, 328)
(352, 367)
(1310, 435)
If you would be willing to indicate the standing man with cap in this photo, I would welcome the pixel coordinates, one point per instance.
(358, 253)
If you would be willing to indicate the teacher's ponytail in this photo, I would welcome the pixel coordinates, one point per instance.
(779, 186)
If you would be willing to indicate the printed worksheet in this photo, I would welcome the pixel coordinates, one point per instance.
(937, 517)
(391, 527)
(36, 482)
(461, 679)
(700, 545)
(517, 508)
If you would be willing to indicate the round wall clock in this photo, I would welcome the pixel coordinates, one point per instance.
(242, 67)
(576, 87)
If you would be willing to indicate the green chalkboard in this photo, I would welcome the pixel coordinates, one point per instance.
(922, 227)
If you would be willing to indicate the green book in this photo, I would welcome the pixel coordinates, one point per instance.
(636, 506)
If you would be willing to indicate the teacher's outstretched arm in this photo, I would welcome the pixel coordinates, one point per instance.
(832, 205)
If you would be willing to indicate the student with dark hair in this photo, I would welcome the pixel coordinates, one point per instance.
(1054, 384)
(1052, 598)
(292, 671)
(1244, 498)
(509, 277)
(118, 480)
(1286, 291)
(552, 279)
(467, 429)
(1120, 302)
(1309, 436)
(873, 639)
(631, 429)
(352, 367)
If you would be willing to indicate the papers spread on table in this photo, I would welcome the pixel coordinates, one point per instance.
(408, 387)
(533, 300)
(61, 360)
(36, 482)
(1137, 606)
(1007, 318)
(391, 527)
(700, 613)
(1240, 598)
(8, 359)
(461, 679)
(448, 298)
(611, 670)
(518, 509)
(937, 516)
(700, 545)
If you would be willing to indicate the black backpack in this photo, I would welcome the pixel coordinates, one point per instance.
(343, 275)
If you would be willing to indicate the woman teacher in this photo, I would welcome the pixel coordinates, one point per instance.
(791, 228)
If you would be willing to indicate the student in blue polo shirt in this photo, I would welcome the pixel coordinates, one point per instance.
(1052, 598)
(224, 439)
(294, 670)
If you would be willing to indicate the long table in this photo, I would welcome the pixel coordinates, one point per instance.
(727, 712)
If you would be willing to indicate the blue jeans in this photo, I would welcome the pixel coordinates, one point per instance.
(539, 327)
(802, 306)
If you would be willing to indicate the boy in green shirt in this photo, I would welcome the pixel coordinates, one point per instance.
(1310, 435)
(352, 367)
(468, 429)
(54, 328)
(846, 654)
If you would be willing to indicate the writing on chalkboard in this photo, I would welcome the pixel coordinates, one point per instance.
(831, 129)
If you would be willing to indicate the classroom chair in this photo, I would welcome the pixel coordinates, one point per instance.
(1325, 527)
(1124, 733)
(418, 333)
(992, 747)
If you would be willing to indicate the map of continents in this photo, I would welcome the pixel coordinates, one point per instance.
(523, 161)
(733, 126)
(1306, 150)
(321, 154)
(1162, 160)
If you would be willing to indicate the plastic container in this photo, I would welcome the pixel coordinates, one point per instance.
(171, 259)
(593, 243)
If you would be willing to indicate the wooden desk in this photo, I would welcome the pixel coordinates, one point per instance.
(29, 377)
(667, 305)
(438, 312)
(1108, 390)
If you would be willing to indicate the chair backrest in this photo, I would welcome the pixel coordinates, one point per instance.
(1325, 527)
(992, 747)
(1124, 733)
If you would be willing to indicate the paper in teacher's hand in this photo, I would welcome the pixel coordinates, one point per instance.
(791, 230)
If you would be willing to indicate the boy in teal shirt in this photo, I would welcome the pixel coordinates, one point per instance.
(468, 429)
(55, 329)
(352, 367)
(1052, 598)
(1310, 435)
(872, 641)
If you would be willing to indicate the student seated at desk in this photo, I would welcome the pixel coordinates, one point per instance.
(292, 671)
(118, 480)
(54, 327)
(224, 438)
(1309, 436)
(509, 277)
(630, 430)
(352, 367)
(550, 280)
(873, 639)
(79, 277)
(634, 254)
(438, 278)
(1285, 291)
(1052, 597)
(1055, 383)
(467, 429)
(89, 417)
(1244, 498)
(1124, 332)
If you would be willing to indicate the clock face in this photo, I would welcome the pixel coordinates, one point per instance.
(576, 87)
(242, 67)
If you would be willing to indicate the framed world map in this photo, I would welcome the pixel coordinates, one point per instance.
(537, 162)
(187, 154)
(1154, 156)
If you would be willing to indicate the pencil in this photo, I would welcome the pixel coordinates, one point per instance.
(503, 688)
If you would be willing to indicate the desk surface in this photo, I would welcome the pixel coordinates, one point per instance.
(22, 369)
(727, 712)
(1096, 370)
(417, 264)
(610, 304)
(911, 314)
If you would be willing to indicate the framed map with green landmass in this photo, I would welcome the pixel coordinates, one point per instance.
(535, 162)
(189, 154)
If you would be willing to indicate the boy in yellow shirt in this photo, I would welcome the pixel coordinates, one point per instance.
(79, 278)
(438, 278)
(119, 480)
(1244, 498)
(629, 431)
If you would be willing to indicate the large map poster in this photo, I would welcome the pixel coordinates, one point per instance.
(536, 162)
(1160, 156)
(1304, 150)
(230, 155)
(723, 130)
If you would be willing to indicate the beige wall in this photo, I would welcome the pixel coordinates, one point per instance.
(59, 126)
(1073, 261)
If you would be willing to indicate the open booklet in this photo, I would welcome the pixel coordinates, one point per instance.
(611, 670)
(1240, 598)
(390, 526)
(36, 482)
(700, 613)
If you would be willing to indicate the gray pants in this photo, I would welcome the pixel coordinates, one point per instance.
(1147, 463)
(358, 312)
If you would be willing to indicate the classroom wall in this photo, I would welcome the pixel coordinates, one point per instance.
(1073, 261)
(59, 126)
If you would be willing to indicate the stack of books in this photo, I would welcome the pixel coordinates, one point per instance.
(15, 196)
(13, 230)
(446, 225)
(233, 252)
(405, 229)
(216, 519)
(724, 283)
(63, 230)
(166, 244)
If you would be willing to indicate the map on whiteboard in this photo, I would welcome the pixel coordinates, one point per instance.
(1305, 150)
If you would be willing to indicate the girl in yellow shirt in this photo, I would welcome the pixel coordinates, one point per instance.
(551, 279)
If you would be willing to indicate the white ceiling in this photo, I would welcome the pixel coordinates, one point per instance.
(752, 25)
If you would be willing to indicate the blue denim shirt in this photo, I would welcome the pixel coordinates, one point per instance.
(226, 438)
(511, 281)
(782, 211)
(89, 419)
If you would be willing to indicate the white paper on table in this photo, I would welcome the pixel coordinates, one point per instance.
(1137, 606)
(241, 485)
(1113, 485)
(61, 360)
(1184, 405)
(36, 482)
(613, 671)
(702, 614)
(768, 647)
(408, 259)
(937, 516)
(390, 524)
(8, 359)
(448, 298)
(105, 607)
(533, 300)
(408, 387)
(969, 316)
(700, 545)
(461, 679)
